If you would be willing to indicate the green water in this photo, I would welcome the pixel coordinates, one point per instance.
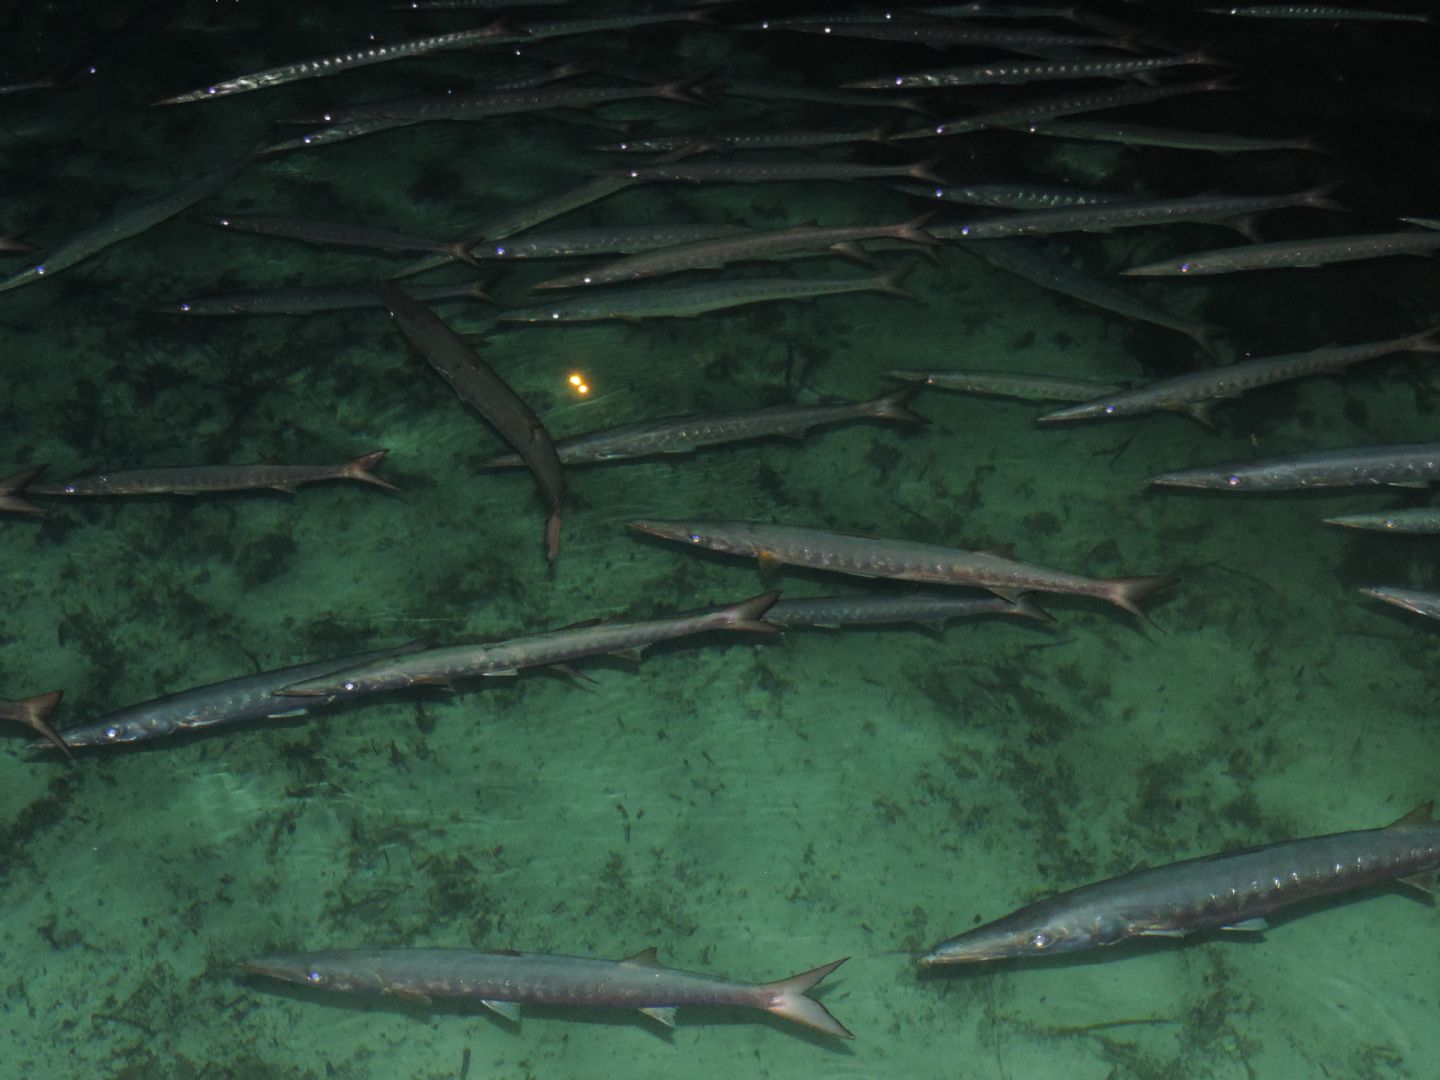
(749, 808)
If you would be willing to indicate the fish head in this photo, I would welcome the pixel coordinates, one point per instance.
(326, 971)
(687, 532)
(1031, 931)
(1217, 478)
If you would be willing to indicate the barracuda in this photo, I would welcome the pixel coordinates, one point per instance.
(682, 434)
(504, 981)
(199, 479)
(1196, 393)
(1408, 465)
(1233, 891)
(902, 560)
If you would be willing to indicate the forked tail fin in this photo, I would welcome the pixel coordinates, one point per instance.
(790, 999)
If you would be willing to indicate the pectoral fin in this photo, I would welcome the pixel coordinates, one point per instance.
(663, 1013)
(1248, 926)
(510, 1010)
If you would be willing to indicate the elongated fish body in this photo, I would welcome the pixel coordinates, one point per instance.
(1419, 520)
(486, 103)
(1013, 196)
(307, 300)
(720, 251)
(200, 479)
(124, 225)
(716, 141)
(1287, 254)
(233, 701)
(1233, 891)
(1414, 600)
(1196, 392)
(12, 492)
(682, 434)
(1317, 11)
(845, 99)
(339, 63)
(1170, 138)
(1027, 71)
(338, 234)
(442, 667)
(897, 609)
(1401, 465)
(509, 222)
(1062, 105)
(679, 301)
(944, 35)
(1131, 214)
(1010, 384)
(503, 981)
(601, 240)
(478, 385)
(771, 172)
(902, 560)
(34, 713)
(1059, 277)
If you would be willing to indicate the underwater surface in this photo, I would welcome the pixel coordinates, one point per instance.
(748, 806)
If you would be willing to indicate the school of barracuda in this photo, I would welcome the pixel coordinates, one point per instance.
(682, 269)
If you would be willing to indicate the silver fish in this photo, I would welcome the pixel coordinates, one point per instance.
(1196, 392)
(1419, 520)
(676, 301)
(1415, 600)
(1027, 71)
(892, 609)
(306, 300)
(901, 560)
(445, 666)
(1146, 135)
(233, 701)
(717, 252)
(200, 479)
(1405, 465)
(1231, 891)
(1010, 384)
(1285, 254)
(1232, 210)
(682, 434)
(339, 63)
(504, 981)
(124, 225)
(1018, 259)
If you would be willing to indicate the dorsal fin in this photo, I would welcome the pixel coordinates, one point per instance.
(1424, 814)
(643, 958)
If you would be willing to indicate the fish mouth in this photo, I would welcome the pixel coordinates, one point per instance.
(301, 690)
(665, 530)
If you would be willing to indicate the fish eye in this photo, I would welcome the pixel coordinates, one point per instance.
(899, 80)
(112, 733)
(184, 307)
(695, 538)
(1389, 523)
(314, 977)
(1041, 940)
(349, 684)
(500, 250)
(1109, 410)
(1232, 481)
(1184, 268)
